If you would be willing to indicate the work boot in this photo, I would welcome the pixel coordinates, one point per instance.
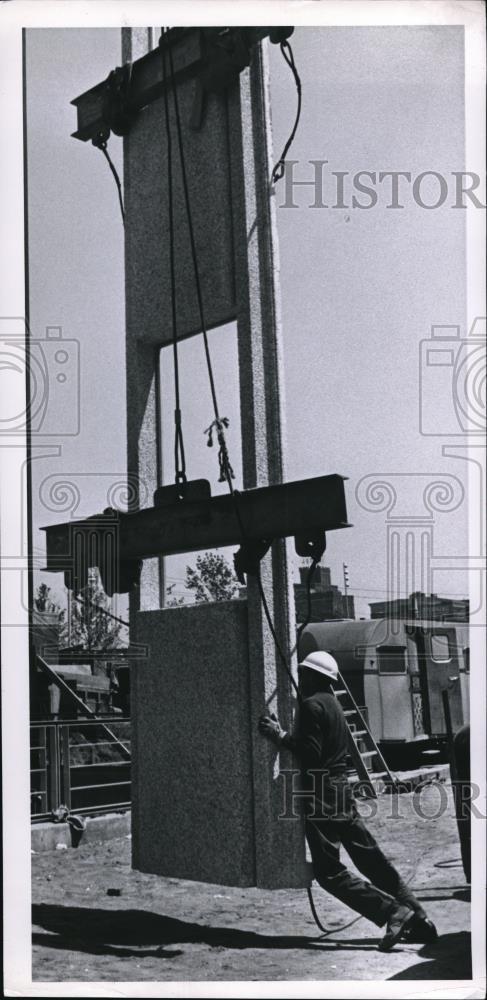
(421, 930)
(399, 919)
(405, 897)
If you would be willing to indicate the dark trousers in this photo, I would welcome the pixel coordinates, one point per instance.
(374, 899)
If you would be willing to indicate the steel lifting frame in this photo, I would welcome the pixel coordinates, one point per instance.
(117, 542)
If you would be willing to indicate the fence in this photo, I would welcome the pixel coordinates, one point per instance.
(82, 764)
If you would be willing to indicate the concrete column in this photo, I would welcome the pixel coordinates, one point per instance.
(279, 845)
(142, 366)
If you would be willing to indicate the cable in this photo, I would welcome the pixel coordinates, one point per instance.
(309, 581)
(101, 143)
(284, 659)
(179, 457)
(449, 863)
(326, 931)
(337, 930)
(278, 171)
(224, 460)
(273, 632)
(439, 888)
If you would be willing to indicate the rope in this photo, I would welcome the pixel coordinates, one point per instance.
(101, 144)
(223, 456)
(179, 457)
(278, 171)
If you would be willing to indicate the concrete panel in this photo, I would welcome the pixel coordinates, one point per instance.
(148, 266)
(193, 813)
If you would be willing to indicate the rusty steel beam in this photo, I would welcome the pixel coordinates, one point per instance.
(146, 83)
(301, 508)
(193, 51)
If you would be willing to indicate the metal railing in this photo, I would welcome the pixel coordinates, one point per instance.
(80, 764)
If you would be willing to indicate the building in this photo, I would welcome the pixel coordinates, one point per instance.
(428, 607)
(327, 600)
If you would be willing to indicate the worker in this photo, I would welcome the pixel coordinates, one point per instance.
(320, 743)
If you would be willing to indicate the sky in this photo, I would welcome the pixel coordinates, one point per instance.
(360, 287)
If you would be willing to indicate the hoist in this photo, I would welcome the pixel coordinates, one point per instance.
(185, 517)
(199, 255)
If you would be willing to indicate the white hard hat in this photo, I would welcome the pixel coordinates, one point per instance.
(322, 663)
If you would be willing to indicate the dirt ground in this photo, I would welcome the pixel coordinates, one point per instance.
(97, 919)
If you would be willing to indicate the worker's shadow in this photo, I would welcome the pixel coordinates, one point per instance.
(125, 933)
(450, 957)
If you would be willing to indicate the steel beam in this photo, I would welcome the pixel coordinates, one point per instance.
(300, 508)
(191, 49)
(146, 83)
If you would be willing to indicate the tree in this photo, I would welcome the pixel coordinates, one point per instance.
(212, 580)
(45, 603)
(173, 600)
(88, 627)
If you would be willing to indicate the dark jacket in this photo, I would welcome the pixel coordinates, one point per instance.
(320, 743)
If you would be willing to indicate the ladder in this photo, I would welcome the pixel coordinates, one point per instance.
(359, 736)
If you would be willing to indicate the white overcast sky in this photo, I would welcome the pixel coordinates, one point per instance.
(360, 288)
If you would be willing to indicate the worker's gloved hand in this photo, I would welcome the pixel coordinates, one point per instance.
(270, 728)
